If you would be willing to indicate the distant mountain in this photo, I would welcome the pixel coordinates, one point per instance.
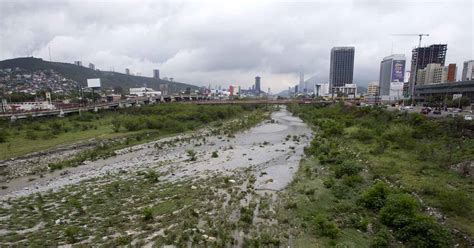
(283, 93)
(80, 74)
(361, 89)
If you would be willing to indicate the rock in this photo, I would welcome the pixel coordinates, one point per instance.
(212, 239)
(204, 236)
(193, 187)
(57, 222)
(231, 181)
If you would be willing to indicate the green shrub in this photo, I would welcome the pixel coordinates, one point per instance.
(215, 154)
(325, 227)
(400, 135)
(399, 210)
(352, 180)
(381, 239)
(123, 240)
(348, 168)
(71, 233)
(424, 231)
(191, 155)
(329, 182)
(152, 176)
(147, 214)
(246, 215)
(363, 134)
(375, 197)
(116, 124)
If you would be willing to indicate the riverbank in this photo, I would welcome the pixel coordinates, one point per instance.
(209, 189)
(381, 179)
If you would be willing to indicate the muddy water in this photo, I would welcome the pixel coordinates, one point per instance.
(265, 149)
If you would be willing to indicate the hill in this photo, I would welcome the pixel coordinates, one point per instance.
(80, 74)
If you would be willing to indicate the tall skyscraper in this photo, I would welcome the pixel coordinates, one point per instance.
(156, 73)
(422, 56)
(468, 70)
(392, 69)
(127, 71)
(257, 85)
(341, 70)
(302, 87)
(91, 66)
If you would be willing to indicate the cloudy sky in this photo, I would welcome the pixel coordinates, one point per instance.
(230, 42)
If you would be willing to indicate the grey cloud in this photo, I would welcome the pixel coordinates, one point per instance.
(231, 42)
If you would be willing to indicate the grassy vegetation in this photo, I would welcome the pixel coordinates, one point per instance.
(372, 174)
(142, 207)
(145, 123)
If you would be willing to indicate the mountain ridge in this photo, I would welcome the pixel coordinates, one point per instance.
(80, 74)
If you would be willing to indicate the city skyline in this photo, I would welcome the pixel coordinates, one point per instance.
(195, 50)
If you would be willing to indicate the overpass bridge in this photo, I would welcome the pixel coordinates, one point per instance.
(184, 99)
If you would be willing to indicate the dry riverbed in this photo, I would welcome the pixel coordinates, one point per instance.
(199, 189)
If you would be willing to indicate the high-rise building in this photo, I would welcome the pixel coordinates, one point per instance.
(341, 70)
(468, 70)
(436, 74)
(392, 69)
(373, 89)
(91, 66)
(302, 87)
(257, 85)
(156, 73)
(422, 56)
(78, 63)
(127, 71)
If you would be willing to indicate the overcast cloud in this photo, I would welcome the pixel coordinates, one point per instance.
(230, 42)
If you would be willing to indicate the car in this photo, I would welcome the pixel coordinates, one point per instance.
(468, 117)
(425, 111)
(437, 112)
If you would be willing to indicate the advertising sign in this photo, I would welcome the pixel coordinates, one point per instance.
(93, 82)
(456, 96)
(398, 71)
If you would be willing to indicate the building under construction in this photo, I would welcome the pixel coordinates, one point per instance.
(422, 56)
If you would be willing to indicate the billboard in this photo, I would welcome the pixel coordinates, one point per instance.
(93, 82)
(398, 71)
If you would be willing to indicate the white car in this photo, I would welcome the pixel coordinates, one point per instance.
(468, 117)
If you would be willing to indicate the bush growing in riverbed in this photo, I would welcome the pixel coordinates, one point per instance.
(191, 155)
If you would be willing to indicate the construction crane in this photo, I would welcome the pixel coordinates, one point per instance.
(412, 87)
(419, 35)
